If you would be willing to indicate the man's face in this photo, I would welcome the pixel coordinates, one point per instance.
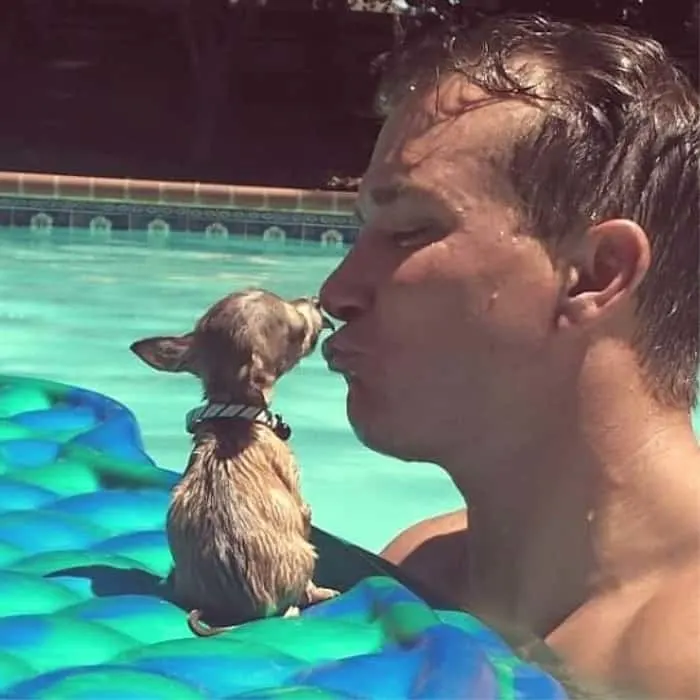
(449, 307)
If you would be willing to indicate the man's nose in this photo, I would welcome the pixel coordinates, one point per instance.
(346, 292)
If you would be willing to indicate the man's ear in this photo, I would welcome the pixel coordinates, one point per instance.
(166, 353)
(604, 270)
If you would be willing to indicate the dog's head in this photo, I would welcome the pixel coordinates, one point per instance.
(242, 344)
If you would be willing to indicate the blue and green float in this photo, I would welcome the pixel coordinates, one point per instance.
(84, 612)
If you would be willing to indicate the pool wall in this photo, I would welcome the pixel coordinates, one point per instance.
(44, 201)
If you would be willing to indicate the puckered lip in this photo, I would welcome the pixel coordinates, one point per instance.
(330, 355)
(337, 359)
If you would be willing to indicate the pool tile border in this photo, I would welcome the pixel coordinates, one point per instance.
(43, 201)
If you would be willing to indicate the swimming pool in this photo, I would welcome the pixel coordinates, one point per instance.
(72, 302)
(80, 555)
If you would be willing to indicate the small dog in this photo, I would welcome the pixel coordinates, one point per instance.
(237, 526)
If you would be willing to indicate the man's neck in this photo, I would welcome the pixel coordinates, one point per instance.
(610, 506)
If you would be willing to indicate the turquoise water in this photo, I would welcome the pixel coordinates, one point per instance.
(70, 305)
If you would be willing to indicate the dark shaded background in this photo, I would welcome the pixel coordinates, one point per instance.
(192, 89)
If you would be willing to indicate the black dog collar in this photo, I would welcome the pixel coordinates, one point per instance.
(255, 414)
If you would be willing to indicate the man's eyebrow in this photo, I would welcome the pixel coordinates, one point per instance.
(387, 194)
(383, 195)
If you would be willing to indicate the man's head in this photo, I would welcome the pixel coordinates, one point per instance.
(529, 213)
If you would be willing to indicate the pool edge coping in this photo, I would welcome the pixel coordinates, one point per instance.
(15, 184)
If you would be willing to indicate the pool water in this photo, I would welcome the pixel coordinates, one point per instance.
(71, 304)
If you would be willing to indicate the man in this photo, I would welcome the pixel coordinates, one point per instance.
(521, 309)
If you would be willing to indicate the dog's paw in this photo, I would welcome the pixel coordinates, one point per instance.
(292, 611)
(317, 594)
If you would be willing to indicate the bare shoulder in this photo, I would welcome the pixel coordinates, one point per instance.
(661, 646)
(433, 551)
(424, 536)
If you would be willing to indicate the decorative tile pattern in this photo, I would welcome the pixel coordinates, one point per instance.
(43, 202)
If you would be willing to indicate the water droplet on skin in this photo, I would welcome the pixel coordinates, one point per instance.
(492, 299)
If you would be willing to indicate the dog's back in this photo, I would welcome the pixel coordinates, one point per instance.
(237, 526)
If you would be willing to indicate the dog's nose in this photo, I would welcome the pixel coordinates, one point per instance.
(327, 323)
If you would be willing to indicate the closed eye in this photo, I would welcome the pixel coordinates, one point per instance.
(416, 237)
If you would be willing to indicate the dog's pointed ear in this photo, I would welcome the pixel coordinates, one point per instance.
(167, 353)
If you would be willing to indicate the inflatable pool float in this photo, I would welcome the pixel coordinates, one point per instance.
(83, 614)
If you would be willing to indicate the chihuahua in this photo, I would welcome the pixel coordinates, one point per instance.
(237, 526)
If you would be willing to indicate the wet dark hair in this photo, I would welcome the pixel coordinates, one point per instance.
(618, 135)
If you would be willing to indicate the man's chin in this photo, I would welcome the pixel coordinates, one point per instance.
(373, 432)
(362, 421)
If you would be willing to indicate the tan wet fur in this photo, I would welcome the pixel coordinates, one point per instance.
(237, 527)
